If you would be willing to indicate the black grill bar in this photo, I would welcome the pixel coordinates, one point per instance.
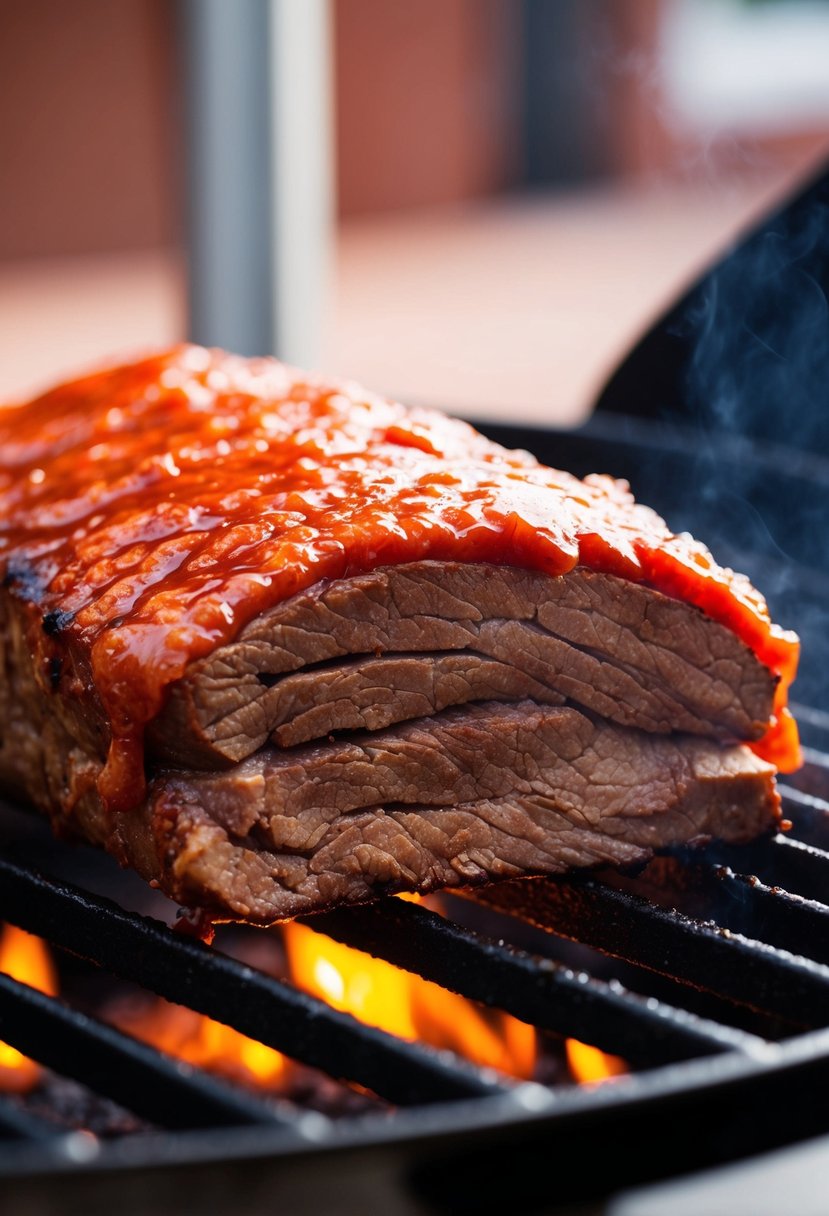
(782, 862)
(536, 990)
(809, 813)
(703, 955)
(16, 1124)
(183, 970)
(813, 777)
(738, 901)
(775, 916)
(150, 1084)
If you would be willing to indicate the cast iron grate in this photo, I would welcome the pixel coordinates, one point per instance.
(765, 951)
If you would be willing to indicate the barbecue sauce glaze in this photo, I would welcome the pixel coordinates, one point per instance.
(148, 512)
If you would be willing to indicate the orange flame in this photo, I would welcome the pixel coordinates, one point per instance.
(25, 958)
(373, 991)
(199, 1040)
(382, 995)
(589, 1066)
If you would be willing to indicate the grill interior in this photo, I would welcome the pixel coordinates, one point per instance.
(707, 972)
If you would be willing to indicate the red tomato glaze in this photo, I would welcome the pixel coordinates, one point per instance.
(150, 511)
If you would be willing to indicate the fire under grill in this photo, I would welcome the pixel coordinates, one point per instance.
(707, 972)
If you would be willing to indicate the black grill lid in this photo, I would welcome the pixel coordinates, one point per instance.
(745, 350)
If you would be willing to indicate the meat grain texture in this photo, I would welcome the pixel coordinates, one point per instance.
(426, 723)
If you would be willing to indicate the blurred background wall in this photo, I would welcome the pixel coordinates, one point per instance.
(88, 127)
(427, 111)
(505, 134)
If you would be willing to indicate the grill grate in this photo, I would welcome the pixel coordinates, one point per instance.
(17, 1124)
(703, 954)
(185, 971)
(537, 990)
(745, 957)
(168, 1093)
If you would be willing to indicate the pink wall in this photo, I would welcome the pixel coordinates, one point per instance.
(427, 95)
(86, 130)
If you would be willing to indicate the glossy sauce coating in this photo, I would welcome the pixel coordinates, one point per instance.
(149, 512)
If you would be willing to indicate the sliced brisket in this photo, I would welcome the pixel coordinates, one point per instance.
(465, 797)
(279, 643)
(429, 787)
(408, 641)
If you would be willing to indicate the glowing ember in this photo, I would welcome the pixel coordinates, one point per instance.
(25, 958)
(199, 1040)
(381, 995)
(589, 1066)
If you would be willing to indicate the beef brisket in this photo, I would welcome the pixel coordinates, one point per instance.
(619, 649)
(465, 797)
(281, 645)
(451, 796)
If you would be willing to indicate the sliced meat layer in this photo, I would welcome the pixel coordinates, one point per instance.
(466, 797)
(349, 694)
(411, 640)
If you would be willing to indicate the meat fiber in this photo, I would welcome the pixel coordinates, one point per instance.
(463, 797)
(408, 641)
